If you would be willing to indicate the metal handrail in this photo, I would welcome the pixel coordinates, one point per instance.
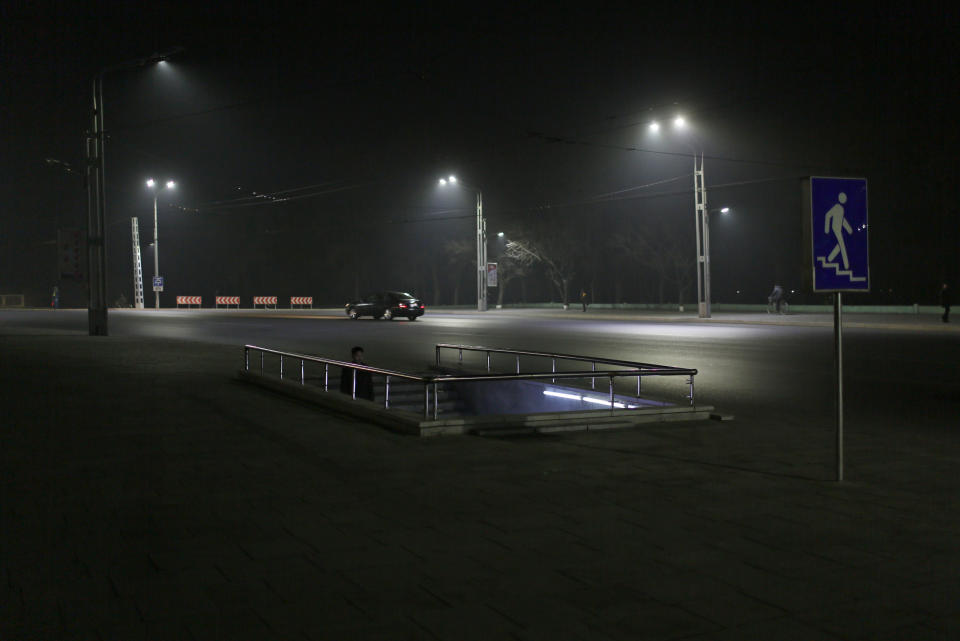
(661, 370)
(521, 352)
(428, 380)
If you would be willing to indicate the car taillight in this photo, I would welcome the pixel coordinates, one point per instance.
(403, 305)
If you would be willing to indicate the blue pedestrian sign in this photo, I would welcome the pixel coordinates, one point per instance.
(158, 283)
(838, 228)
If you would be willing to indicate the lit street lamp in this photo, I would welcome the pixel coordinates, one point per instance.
(700, 219)
(152, 184)
(96, 197)
(481, 243)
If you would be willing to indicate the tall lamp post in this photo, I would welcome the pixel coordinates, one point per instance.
(481, 243)
(96, 197)
(152, 184)
(700, 220)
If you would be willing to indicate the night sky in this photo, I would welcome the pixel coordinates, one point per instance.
(307, 144)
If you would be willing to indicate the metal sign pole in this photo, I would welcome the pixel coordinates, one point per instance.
(838, 361)
(836, 235)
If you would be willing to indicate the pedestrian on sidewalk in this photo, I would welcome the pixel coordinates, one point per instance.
(945, 302)
(363, 388)
(55, 302)
(583, 298)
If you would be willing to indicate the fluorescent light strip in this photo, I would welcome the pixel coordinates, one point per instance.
(587, 399)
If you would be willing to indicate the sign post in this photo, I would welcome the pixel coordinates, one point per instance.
(835, 225)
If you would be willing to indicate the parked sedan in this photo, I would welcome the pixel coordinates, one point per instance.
(386, 305)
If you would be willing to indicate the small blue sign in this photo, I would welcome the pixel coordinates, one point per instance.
(839, 234)
(158, 283)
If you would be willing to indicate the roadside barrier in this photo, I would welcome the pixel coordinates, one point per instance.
(266, 301)
(11, 300)
(189, 301)
(228, 301)
(301, 300)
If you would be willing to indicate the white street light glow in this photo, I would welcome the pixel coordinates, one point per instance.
(453, 180)
(500, 234)
(679, 122)
(654, 126)
(150, 182)
(725, 210)
(442, 182)
(171, 184)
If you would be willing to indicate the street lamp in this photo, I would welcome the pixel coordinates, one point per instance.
(96, 196)
(151, 183)
(481, 242)
(700, 218)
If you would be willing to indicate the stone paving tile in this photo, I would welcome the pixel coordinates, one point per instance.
(781, 629)
(649, 619)
(471, 622)
(728, 607)
(861, 619)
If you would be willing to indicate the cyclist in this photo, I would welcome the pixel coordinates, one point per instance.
(775, 298)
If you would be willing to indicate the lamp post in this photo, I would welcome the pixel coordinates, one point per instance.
(481, 242)
(700, 219)
(96, 197)
(151, 183)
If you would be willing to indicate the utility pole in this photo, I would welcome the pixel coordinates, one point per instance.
(96, 197)
(137, 265)
(481, 256)
(703, 237)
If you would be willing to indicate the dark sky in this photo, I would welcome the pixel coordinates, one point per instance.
(544, 107)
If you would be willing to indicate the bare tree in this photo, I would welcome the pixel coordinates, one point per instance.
(510, 267)
(553, 247)
(460, 254)
(665, 250)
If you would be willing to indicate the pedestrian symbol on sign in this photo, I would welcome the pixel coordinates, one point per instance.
(838, 236)
(836, 222)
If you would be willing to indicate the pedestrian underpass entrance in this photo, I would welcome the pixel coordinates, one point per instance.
(473, 389)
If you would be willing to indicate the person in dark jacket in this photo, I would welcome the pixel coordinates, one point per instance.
(945, 302)
(364, 379)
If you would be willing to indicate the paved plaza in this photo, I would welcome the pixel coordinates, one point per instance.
(148, 494)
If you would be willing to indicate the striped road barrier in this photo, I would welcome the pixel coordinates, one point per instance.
(189, 300)
(301, 300)
(228, 301)
(266, 301)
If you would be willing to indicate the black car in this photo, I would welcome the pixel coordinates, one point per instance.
(386, 305)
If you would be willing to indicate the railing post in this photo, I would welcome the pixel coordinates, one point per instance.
(386, 398)
(435, 395)
(326, 375)
(553, 368)
(518, 363)
(426, 399)
(246, 358)
(639, 377)
(460, 356)
(593, 381)
(488, 362)
(690, 381)
(354, 382)
(281, 367)
(261, 363)
(302, 378)
(611, 391)
(438, 355)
